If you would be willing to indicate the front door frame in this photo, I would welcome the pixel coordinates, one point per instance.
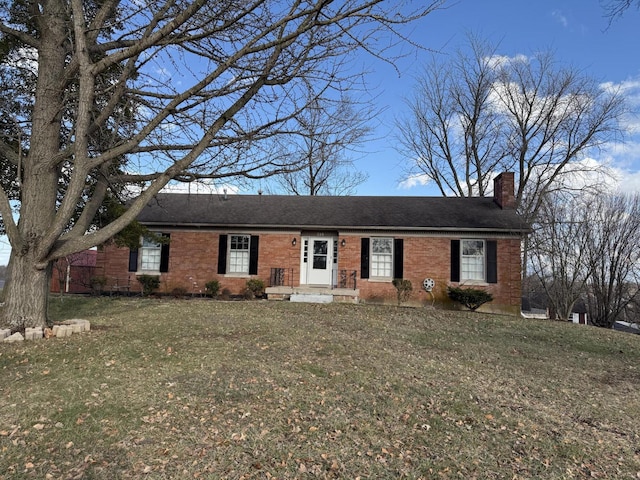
(320, 277)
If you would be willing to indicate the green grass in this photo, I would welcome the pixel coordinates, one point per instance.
(207, 389)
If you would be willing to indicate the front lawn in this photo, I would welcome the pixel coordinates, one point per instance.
(209, 389)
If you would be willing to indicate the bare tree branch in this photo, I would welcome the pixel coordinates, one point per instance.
(158, 90)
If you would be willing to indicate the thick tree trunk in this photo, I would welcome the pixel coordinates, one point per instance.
(26, 294)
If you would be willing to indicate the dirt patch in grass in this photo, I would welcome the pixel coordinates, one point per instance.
(204, 389)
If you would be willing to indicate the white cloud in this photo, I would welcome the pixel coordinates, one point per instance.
(560, 18)
(497, 61)
(604, 172)
(622, 179)
(623, 156)
(417, 180)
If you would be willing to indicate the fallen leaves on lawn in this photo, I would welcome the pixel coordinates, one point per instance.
(266, 390)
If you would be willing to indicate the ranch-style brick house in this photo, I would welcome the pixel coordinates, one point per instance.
(336, 248)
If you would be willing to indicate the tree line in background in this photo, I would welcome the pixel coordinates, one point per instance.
(585, 249)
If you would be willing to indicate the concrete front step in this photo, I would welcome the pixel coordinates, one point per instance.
(313, 294)
(311, 298)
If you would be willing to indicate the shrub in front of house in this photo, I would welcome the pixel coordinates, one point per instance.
(178, 292)
(403, 289)
(254, 289)
(150, 283)
(212, 288)
(97, 284)
(472, 298)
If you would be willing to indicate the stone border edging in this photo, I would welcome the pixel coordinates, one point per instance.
(65, 329)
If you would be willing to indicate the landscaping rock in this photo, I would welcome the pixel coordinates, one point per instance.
(62, 331)
(16, 337)
(78, 325)
(33, 333)
(65, 330)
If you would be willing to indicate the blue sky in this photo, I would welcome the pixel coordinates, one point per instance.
(575, 30)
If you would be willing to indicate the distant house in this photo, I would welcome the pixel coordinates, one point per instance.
(342, 248)
(579, 313)
(73, 273)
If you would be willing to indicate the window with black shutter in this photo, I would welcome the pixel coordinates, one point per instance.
(398, 258)
(238, 254)
(474, 260)
(222, 254)
(455, 260)
(364, 258)
(152, 255)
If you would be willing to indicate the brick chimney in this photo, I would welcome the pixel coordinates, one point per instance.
(503, 190)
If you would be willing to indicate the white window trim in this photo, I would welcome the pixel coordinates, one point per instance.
(242, 274)
(380, 278)
(473, 281)
(141, 250)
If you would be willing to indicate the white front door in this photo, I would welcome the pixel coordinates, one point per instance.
(319, 259)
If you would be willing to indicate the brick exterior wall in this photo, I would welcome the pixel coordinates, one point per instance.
(193, 261)
(430, 257)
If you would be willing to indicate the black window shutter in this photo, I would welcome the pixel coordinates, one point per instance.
(133, 260)
(455, 260)
(164, 254)
(253, 255)
(398, 258)
(222, 254)
(492, 261)
(364, 258)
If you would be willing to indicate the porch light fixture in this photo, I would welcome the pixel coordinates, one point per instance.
(343, 242)
(294, 241)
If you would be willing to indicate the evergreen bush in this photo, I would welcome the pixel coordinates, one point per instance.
(472, 298)
(212, 288)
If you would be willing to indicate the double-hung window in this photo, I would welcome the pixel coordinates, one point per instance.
(472, 260)
(239, 253)
(381, 257)
(150, 255)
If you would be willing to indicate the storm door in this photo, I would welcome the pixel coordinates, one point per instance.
(318, 259)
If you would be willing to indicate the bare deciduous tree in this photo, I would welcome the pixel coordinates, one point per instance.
(326, 133)
(455, 135)
(588, 246)
(615, 8)
(482, 113)
(614, 257)
(172, 86)
(559, 254)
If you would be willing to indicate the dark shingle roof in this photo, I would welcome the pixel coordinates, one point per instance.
(284, 211)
